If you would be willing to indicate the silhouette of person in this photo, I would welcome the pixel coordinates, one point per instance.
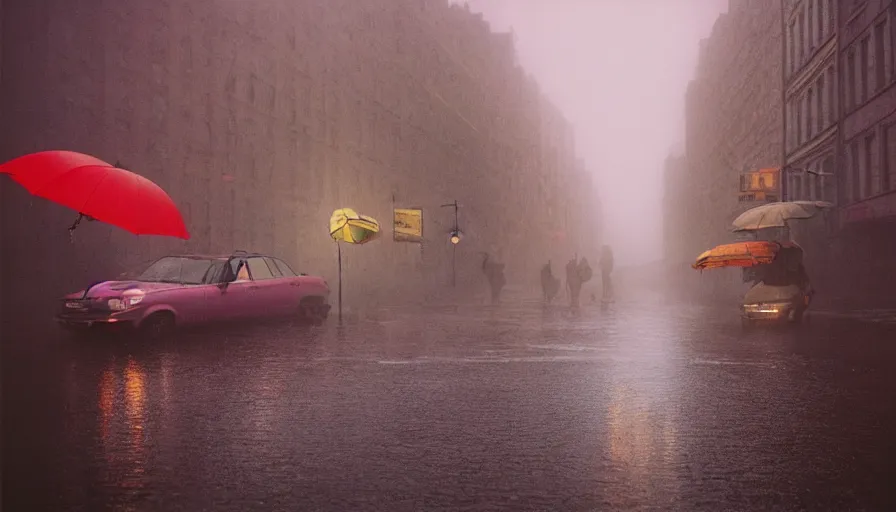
(494, 272)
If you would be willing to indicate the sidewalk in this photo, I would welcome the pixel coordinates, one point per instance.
(875, 316)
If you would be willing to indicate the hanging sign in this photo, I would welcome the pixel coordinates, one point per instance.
(407, 225)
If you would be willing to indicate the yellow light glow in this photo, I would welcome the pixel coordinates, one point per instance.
(455, 239)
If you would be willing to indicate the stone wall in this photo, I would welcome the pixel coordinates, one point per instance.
(260, 118)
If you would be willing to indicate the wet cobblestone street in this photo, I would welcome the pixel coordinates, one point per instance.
(644, 405)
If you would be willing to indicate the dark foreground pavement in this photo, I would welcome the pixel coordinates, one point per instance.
(646, 405)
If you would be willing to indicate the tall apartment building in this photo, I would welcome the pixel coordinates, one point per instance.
(867, 196)
(839, 76)
(260, 118)
(733, 123)
(810, 99)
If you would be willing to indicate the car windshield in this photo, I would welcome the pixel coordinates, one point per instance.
(177, 270)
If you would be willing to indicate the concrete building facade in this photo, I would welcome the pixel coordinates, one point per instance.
(866, 227)
(839, 75)
(811, 99)
(836, 71)
(812, 104)
(733, 123)
(260, 119)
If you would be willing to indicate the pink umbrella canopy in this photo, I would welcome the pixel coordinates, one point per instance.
(98, 190)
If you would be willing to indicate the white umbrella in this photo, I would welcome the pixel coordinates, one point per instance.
(776, 215)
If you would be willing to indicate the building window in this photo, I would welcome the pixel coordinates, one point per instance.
(798, 139)
(868, 168)
(828, 178)
(888, 179)
(820, 107)
(819, 19)
(832, 15)
(810, 24)
(810, 117)
(851, 78)
(816, 183)
(880, 63)
(864, 86)
(832, 97)
(801, 36)
(852, 187)
(791, 47)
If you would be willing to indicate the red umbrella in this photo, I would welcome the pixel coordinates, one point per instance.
(98, 190)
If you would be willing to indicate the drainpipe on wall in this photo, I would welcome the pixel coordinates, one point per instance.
(783, 175)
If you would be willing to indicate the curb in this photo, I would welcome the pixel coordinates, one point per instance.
(876, 316)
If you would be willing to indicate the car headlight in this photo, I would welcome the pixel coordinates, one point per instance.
(774, 307)
(123, 303)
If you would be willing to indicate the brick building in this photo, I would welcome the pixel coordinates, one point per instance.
(733, 123)
(261, 118)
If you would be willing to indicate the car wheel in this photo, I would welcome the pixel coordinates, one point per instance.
(313, 310)
(158, 326)
(76, 333)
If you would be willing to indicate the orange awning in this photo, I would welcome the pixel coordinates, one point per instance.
(739, 254)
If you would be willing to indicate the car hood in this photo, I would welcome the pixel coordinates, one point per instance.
(764, 293)
(115, 288)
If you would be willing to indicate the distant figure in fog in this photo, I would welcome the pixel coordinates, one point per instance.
(585, 272)
(606, 268)
(494, 272)
(550, 285)
(573, 283)
(578, 272)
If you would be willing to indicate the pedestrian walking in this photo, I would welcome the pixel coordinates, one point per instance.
(494, 272)
(550, 285)
(573, 282)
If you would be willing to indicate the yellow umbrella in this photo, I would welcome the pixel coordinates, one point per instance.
(347, 225)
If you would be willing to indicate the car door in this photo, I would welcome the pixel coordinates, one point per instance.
(232, 300)
(271, 290)
(289, 287)
(292, 281)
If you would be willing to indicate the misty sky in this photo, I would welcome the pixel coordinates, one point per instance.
(619, 70)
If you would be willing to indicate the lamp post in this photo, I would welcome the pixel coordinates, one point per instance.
(454, 237)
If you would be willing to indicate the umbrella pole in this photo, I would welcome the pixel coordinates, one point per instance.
(339, 246)
(73, 227)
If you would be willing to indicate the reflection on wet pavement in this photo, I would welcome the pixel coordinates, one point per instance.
(510, 407)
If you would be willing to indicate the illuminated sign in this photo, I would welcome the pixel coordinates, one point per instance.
(407, 225)
(761, 185)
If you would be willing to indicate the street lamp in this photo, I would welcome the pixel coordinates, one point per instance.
(454, 237)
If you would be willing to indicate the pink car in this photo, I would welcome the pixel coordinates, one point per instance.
(188, 290)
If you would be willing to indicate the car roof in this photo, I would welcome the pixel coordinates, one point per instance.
(218, 256)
